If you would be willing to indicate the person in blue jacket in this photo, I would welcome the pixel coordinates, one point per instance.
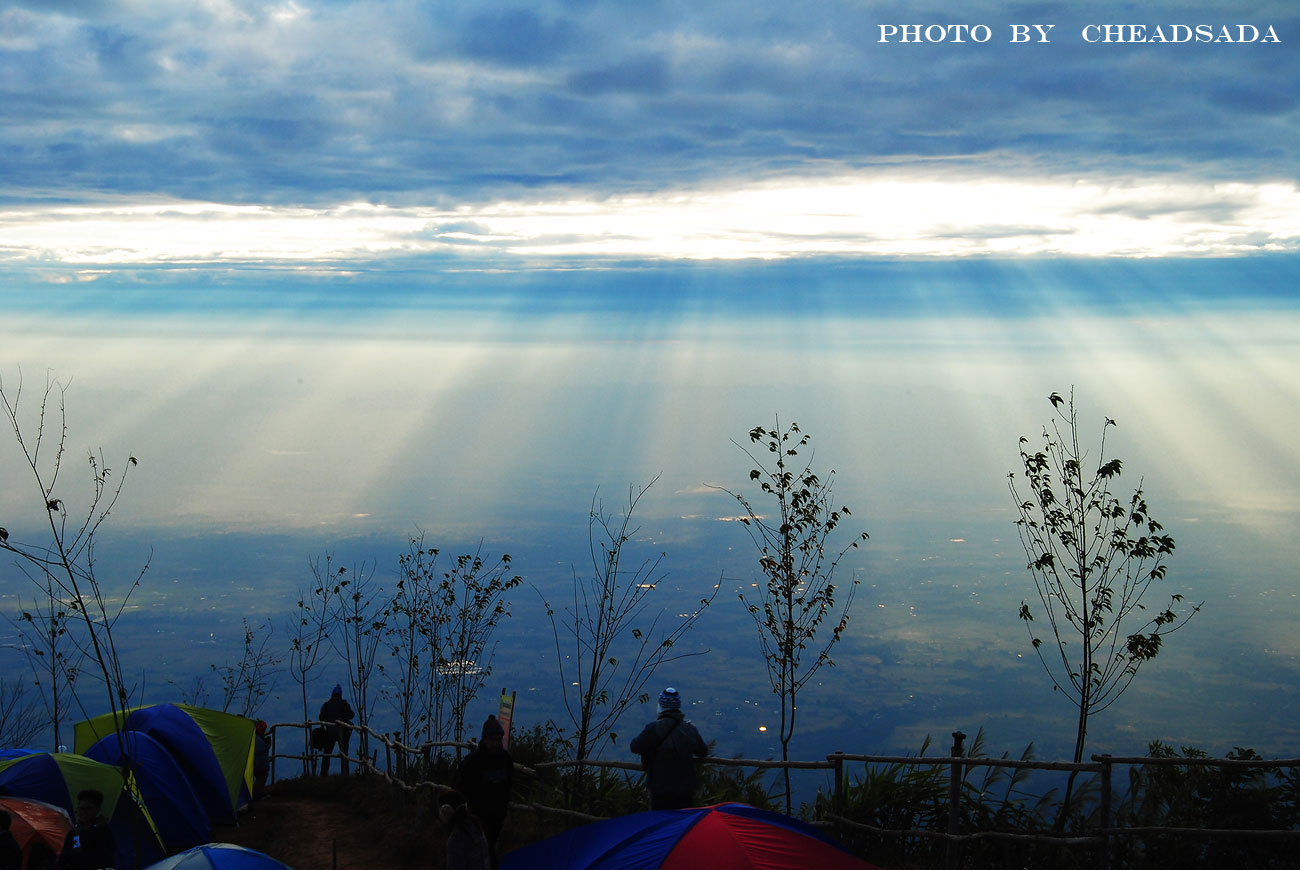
(668, 747)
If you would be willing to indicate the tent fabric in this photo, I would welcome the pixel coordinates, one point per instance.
(233, 739)
(57, 777)
(33, 821)
(716, 837)
(177, 813)
(219, 856)
(213, 748)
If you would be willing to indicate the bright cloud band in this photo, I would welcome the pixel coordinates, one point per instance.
(838, 217)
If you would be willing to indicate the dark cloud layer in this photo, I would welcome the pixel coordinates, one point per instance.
(407, 102)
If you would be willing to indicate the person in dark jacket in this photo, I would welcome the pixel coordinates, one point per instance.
(485, 778)
(335, 713)
(467, 847)
(90, 844)
(668, 748)
(11, 854)
(261, 758)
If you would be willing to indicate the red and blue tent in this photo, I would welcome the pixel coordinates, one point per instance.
(720, 837)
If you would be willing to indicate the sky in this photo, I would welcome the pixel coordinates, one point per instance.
(338, 271)
(321, 136)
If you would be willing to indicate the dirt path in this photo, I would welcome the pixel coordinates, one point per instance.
(309, 834)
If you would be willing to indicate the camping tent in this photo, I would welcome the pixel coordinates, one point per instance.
(725, 835)
(219, 856)
(57, 777)
(180, 818)
(36, 825)
(215, 749)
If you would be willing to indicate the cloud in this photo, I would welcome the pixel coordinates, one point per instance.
(849, 216)
(514, 36)
(407, 103)
(647, 74)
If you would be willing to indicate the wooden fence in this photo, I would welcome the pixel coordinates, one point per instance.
(1102, 837)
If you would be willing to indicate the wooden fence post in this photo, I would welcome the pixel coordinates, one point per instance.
(837, 799)
(1105, 809)
(954, 799)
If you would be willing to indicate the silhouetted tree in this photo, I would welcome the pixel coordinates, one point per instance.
(355, 615)
(412, 633)
(246, 683)
(800, 589)
(440, 625)
(606, 648)
(1093, 556)
(50, 651)
(21, 721)
(63, 565)
(307, 632)
(472, 594)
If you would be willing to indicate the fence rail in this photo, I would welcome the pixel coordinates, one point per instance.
(1102, 836)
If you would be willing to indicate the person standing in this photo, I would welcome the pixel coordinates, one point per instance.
(467, 847)
(485, 779)
(90, 844)
(668, 747)
(11, 854)
(337, 714)
(261, 758)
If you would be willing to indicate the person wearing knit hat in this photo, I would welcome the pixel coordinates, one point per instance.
(668, 747)
(485, 779)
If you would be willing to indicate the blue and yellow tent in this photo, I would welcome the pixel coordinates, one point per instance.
(214, 749)
(57, 777)
(177, 814)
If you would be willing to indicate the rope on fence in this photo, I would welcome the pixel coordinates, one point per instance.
(946, 760)
(1263, 834)
(979, 835)
(1198, 762)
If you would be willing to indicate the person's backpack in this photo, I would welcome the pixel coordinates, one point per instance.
(320, 738)
(648, 758)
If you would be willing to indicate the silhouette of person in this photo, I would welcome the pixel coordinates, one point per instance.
(335, 713)
(261, 758)
(467, 847)
(90, 844)
(668, 747)
(11, 854)
(485, 778)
